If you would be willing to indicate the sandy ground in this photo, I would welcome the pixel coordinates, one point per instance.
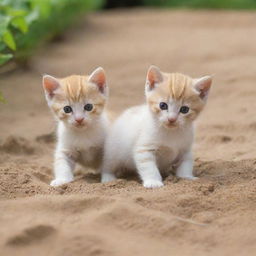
(214, 215)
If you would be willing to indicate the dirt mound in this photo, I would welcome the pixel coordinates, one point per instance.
(17, 145)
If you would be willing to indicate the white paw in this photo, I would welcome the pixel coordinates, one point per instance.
(152, 183)
(189, 177)
(59, 182)
(107, 177)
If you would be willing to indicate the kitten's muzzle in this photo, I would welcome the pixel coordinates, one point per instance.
(79, 121)
(172, 120)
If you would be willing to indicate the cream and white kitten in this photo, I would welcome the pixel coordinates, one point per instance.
(78, 105)
(154, 137)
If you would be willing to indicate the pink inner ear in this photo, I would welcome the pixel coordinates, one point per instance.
(50, 84)
(151, 79)
(154, 76)
(99, 79)
(204, 86)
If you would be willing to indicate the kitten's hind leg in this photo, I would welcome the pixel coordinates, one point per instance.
(185, 169)
(63, 167)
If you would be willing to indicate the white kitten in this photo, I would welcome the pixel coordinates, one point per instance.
(153, 137)
(78, 104)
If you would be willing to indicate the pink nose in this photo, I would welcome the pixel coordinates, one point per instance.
(79, 120)
(172, 119)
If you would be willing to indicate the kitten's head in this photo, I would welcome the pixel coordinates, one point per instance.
(175, 99)
(77, 100)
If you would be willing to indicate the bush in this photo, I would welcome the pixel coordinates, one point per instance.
(26, 23)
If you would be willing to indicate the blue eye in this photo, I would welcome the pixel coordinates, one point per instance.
(67, 109)
(184, 109)
(88, 107)
(163, 106)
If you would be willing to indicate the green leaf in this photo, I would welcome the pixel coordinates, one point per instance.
(20, 23)
(4, 22)
(16, 12)
(9, 40)
(44, 7)
(4, 58)
(32, 16)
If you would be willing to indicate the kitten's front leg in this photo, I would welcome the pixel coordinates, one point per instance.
(147, 168)
(63, 167)
(185, 169)
(107, 177)
(106, 171)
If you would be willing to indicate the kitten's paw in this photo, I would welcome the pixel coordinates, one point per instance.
(59, 182)
(107, 177)
(152, 183)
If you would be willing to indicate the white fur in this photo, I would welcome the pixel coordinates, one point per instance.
(75, 145)
(138, 142)
(153, 141)
(77, 142)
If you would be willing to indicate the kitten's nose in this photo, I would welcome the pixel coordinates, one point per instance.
(79, 120)
(172, 119)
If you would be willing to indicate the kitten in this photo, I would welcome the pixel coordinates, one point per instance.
(154, 137)
(77, 103)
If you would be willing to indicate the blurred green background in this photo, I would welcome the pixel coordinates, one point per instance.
(24, 24)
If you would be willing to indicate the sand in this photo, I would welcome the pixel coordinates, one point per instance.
(214, 215)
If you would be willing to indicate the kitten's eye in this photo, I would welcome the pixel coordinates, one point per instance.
(163, 106)
(88, 107)
(67, 109)
(184, 109)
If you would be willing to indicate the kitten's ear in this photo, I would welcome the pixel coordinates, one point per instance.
(50, 84)
(203, 85)
(154, 76)
(98, 77)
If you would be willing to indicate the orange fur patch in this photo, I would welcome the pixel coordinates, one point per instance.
(178, 85)
(74, 87)
(77, 88)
